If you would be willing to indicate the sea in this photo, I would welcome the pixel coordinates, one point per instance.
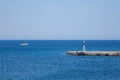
(47, 60)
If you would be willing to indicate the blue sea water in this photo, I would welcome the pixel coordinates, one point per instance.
(47, 60)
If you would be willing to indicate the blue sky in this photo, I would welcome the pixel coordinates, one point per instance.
(60, 19)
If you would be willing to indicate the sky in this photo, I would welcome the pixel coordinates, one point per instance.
(60, 19)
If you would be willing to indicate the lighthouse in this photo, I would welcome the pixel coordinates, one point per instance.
(84, 47)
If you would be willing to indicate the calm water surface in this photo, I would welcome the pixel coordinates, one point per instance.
(46, 60)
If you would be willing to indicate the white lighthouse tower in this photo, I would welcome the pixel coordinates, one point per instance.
(84, 47)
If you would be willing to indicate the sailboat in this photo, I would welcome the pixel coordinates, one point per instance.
(24, 43)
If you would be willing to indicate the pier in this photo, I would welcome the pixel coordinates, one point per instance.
(93, 53)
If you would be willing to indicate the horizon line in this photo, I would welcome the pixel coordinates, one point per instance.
(57, 39)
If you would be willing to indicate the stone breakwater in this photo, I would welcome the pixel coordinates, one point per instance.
(94, 53)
